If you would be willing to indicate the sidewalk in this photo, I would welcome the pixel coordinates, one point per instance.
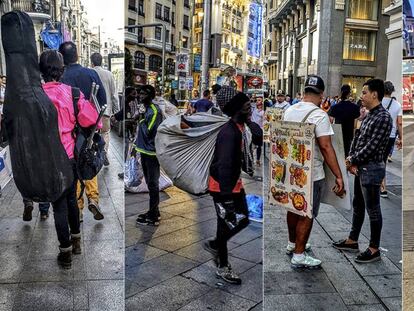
(167, 268)
(341, 284)
(30, 277)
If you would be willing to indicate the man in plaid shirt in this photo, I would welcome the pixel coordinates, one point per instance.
(366, 162)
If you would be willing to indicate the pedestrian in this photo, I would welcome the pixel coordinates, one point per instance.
(145, 145)
(289, 99)
(366, 162)
(173, 100)
(394, 109)
(214, 90)
(226, 186)
(309, 111)
(112, 102)
(204, 104)
(297, 99)
(65, 209)
(224, 95)
(78, 76)
(281, 102)
(345, 113)
(326, 104)
(257, 117)
(28, 209)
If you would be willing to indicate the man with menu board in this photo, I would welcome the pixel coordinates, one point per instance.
(309, 111)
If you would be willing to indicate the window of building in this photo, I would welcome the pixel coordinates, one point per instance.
(185, 42)
(167, 35)
(363, 9)
(139, 60)
(173, 18)
(186, 19)
(132, 5)
(187, 3)
(170, 66)
(131, 22)
(172, 40)
(158, 33)
(166, 14)
(359, 44)
(141, 7)
(158, 9)
(154, 63)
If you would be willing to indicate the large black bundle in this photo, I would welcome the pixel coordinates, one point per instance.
(41, 168)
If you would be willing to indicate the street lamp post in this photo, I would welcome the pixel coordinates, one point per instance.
(164, 37)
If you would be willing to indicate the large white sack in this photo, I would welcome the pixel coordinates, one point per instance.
(186, 154)
(164, 183)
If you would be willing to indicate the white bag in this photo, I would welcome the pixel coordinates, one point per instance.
(165, 182)
(186, 154)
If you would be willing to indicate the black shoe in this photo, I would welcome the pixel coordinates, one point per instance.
(148, 221)
(384, 194)
(76, 246)
(367, 256)
(146, 215)
(65, 258)
(106, 161)
(342, 245)
(227, 274)
(94, 208)
(121, 175)
(27, 213)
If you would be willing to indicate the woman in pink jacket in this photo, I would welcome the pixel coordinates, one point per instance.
(65, 210)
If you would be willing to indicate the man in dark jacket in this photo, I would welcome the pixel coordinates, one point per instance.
(145, 145)
(226, 186)
(78, 76)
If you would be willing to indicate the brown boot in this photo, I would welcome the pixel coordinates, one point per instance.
(76, 244)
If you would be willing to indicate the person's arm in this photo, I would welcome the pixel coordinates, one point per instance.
(149, 122)
(400, 132)
(114, 95)
(101, 95)
(331, 119)
(329, 155)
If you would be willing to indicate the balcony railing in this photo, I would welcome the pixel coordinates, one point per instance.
(34, 6)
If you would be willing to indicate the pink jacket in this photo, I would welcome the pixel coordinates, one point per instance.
(61, 96)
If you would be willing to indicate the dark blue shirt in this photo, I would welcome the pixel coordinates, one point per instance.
(203, 105)
(81, 77)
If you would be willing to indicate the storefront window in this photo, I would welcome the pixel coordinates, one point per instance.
(359, 44)
(363, 9)
(356, 84)
(139, 60)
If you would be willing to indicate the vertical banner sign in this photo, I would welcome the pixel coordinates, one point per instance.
(407, 98)
(291, 163)
(189, 83)
(271, 115)
(183, 63)
(197, 62)
(181, 84)
(254, 39)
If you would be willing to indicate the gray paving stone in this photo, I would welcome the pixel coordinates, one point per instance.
(16, 230)
(132, 288)
(220, 301)
(253, 231)
(31, 296)
(139, 253)
(12, 259)
(159, 269)
(106, 229)
(384, 266)
(80, 295)
(7, 293)
(167, 226)
(177, 240)
(252, 285)
(169, 295)
(106, 295)
(46, 271)
(251, 251)
(297, 282)
(304, 302)
(386, 286)
(355, 292)
(377, 307)
(258, 307)
(394, 303)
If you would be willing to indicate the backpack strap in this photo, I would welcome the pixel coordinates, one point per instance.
(308, 114)
(389, 105)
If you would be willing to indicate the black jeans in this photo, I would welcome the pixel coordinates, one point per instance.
(66, 214)
(258, 152)
(367, 197)
(224, 233)
(151, 169)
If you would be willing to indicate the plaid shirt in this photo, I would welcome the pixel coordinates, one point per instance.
(371, 139)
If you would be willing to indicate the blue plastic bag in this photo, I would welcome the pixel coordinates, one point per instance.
(255, 206)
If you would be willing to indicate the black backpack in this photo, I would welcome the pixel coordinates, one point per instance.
(41, 167)
(89, 161)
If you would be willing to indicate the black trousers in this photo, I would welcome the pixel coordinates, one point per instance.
(224, 233)
(66, 215)
(151, 169)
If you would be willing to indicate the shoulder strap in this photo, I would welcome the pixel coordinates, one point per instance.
(75, 100)
(308, 114)
(389, 105)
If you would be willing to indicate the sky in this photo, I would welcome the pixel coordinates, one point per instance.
(110, 15)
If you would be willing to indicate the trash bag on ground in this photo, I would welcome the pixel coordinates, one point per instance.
(133, 174)
(255, 205)
(165, 182)
(185, 149)
(41, 168)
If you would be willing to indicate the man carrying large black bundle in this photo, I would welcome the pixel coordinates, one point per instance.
(145, 145)
(77, 76)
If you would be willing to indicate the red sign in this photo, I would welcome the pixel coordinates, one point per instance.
(255, 82)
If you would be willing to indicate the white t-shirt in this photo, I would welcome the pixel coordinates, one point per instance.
(285, 105)
(257, 116)
(323, 127)
(395, 111)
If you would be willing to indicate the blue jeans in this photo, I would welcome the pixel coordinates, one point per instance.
(367, 197)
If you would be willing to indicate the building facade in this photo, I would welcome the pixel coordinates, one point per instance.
(342, 41)
(145, 44)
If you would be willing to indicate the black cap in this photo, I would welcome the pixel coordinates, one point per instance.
(315, 84)
(280, 93)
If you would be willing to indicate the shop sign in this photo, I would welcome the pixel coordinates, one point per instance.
(358, 46)
(197, 62)
(255, 82)
(174, 84)
(292, 147)
(181, 84)
(189, 83)
(271, 115)
(182, 63)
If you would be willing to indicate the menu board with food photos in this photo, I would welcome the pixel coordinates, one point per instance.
(271, 114)
(291, 163)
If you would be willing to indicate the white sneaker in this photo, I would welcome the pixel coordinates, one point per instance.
(290, 248)
(306, 262)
